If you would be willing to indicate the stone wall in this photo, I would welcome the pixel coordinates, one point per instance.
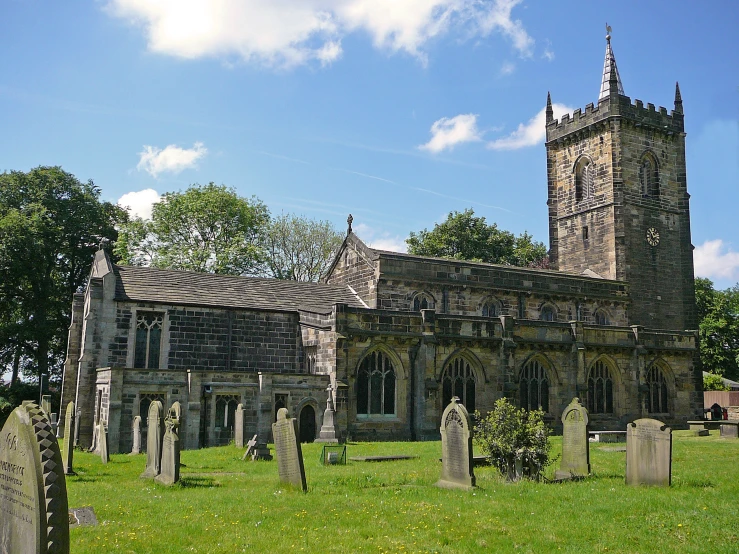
(355, 266)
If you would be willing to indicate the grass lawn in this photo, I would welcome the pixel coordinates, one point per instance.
(225, 505)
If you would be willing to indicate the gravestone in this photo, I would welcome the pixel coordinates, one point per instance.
(102, 432)
(250, 447)
(175, 412)
(648, 453)
(68, 452)
(239, 426)
(456, 448)
(136, 432)
(288, 451)
(575, 445)
(170, 466)
(261, 452)
(46, 405)
(33, 498)
(154, 440)
(328, 428)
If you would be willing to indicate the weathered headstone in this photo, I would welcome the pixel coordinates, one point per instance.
(175, 413)
(239, 426)
(288, 451)
(648, 453)
(575, 445)
(456, 448)
(33, 498)
(328, 428)
(154, 440)
(46, 405)
(102, 432)
(170, 467)
(136, 433)
(261, 452)
(68, 453)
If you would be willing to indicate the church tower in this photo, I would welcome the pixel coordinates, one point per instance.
(618, 200)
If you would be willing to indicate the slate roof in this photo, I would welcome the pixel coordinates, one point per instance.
(163, 286)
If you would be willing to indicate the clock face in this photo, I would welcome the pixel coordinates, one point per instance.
(652, 236)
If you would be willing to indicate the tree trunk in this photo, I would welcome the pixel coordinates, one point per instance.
(16, 365)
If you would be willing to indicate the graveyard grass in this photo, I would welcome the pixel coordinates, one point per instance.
(223, 504)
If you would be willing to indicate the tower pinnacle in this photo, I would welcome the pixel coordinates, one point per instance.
(678, 99)
(609, 66)
(550, 111)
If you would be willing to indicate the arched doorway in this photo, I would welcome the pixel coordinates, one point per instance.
(307, 424)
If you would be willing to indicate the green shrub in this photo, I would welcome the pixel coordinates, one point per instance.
(516, 441)
(711, 381)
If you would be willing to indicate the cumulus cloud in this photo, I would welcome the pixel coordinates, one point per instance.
(172, 158)
(531, 133)
(294, 32)
(380, 240)
(447, 132)
(714, 259)
(140, 203)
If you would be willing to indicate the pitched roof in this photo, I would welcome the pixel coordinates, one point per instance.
(164, 286)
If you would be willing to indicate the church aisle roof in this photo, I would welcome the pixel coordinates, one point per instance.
(163, 286)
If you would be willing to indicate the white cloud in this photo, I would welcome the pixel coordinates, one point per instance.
(140, 203)
(531, 133)
(714, 259)
(286, 33)
(548, 55)
(507, 68)
(171, 159)
(380, 240)
(447, 132)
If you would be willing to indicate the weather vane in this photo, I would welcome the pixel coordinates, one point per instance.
(608, 32)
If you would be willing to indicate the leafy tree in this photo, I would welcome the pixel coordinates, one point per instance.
(511, 436)
(301, 249)
(718, 316)
(711, 381)
(464, 236)
(206, 228)
(50, 226)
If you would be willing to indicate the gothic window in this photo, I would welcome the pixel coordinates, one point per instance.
(601, 317)
(226, 410)
(600, 389)
(657, 395)
(649, 176)
(490, 308)
(145, 401)
(547, 313)
(376, 386)
(148, 339)
(584, 179)
(311, 355)
(281, 401)
(422, 301)
(533, 387)
(459, 380)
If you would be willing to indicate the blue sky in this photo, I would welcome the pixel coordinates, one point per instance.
(397, 111)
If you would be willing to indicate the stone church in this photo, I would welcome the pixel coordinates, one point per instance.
(392, 337)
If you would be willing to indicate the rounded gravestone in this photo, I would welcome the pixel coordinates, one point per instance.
(33, 492)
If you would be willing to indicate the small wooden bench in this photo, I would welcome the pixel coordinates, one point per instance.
(607, 436)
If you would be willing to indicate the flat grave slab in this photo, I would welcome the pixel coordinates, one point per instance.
(381, 458)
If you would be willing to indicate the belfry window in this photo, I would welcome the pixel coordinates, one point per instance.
(533, 387)
(376, 386)
(657, 395)
(600, 389)
(148, 340)
(649, 177)
(459, 380)
(584, 180)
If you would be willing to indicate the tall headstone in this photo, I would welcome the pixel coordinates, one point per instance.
(288, 451)
(136, 434)
(239, 426)
(102, 432)
(328, 428)
(170, 467)
(575, 444)
(175, 413)
(154, 440)
(33, 498)
(68, 452)
(46, 405)
(456, 448)
(648, 453)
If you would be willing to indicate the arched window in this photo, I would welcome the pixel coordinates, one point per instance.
(422, 301)
(600, 389)
(459, 380)
(547, 313)
(144, 404)
(533, 387)
(657, 396)
(601, 317)
(226, 411)
(490, 308)
(584, 179)
(649, 176)
(376, 385)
